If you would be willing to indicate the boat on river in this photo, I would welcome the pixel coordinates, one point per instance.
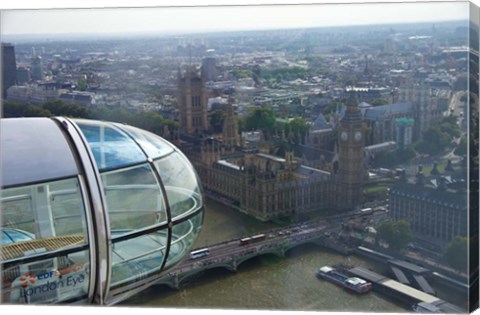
(338, 277)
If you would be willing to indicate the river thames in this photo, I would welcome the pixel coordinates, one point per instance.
(265, 282)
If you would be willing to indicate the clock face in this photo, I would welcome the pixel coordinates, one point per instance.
(344, 136)
(358, 136)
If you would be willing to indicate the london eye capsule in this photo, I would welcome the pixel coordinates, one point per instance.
(91, 211)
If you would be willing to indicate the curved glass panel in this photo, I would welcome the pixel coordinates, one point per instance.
(136, 258)
(45, 232)
(40, 219)
(183, 236)
(110, 147)
(134, 198)
(11, 236)
(53, 280)
(23, 138)
(135, 202)
(152, 144)
(181, 183)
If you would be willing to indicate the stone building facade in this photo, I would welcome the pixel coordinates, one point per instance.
(435, 214)
(266, 186)
(192, 102)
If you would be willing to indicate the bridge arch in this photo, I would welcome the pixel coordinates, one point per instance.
(277, 243)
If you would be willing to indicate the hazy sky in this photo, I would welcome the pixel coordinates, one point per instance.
(178, 19)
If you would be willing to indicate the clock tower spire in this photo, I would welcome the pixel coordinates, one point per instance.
(351, 170)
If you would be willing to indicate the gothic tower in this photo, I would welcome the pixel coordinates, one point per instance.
(351, 143)
(230, 128)
(192, 102)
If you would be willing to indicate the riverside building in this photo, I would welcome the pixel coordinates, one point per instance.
(251, 178)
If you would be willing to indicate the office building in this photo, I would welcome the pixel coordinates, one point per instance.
(23, 75)
(209, 68)
(434, 203)
(37, 68)
(9, 68)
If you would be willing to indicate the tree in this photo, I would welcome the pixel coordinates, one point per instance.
(59, 108)
(299, 128)
(257, 74)
(390, 159)
(434, 141)
(14, 109)
(462, 147)
(34, 111)
(151, 121)
(379, 101)
(436, 138)
(216, 120)
(260, 119)
(449, 126)
(82, 85)
(148, 120)
(456, 253)
(396, 233)
(241, 73)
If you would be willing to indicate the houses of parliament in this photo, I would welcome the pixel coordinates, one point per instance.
(251, 176)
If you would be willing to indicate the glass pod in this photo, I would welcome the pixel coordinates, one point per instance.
(92, 211)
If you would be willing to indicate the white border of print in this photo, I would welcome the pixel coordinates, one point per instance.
(53, 4)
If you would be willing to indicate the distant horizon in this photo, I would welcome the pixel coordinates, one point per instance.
(222, 18)
(42, 37)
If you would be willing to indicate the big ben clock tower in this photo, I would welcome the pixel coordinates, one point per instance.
(351, 143)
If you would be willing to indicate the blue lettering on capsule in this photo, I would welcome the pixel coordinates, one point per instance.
(46, 275)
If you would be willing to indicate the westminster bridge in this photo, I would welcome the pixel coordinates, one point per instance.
(230, 254)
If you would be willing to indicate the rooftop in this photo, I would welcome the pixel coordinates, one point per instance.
(377, 112)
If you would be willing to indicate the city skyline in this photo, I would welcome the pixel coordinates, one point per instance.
(174, 19)
(310, 148)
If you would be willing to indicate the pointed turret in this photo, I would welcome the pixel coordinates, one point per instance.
(352, 114)
(230, 127)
